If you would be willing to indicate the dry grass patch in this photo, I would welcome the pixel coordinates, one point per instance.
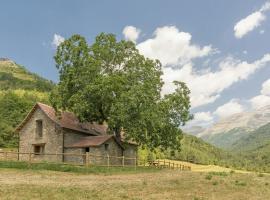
(165, 184)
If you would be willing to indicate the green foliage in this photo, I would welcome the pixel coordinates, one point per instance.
(208, 177)
(192, 150)
(254, 149)
(13, 109)
(110, 82)
(19, 91)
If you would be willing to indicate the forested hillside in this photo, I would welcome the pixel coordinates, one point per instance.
(255, 147)
(19, 90)
(193, 150)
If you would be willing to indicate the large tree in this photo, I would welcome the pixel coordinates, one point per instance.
(111, 82)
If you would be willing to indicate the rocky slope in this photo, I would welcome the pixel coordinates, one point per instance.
(229, 130)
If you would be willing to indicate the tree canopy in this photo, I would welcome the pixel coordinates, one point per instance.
(111, 82)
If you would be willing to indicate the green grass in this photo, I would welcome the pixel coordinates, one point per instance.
(76, 169)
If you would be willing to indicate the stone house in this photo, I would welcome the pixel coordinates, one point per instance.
(48, 136)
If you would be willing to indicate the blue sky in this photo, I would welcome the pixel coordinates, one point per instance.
(28, 28)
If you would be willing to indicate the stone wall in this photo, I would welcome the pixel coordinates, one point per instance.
(130, 152)
(77, 158)
(52, 138)
(98, 155)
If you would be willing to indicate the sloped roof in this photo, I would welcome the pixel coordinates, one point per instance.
(92, 141)
(67, 120)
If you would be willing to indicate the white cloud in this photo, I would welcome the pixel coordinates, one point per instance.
(265, 7)
(206, 86)
(260, 101)
(252, 21)
(230, 108)
(202, 119)
(131, 33)
(172, 47)
(266, 88)
(245, 52)
(264, 98)
(176, 52)
(57, 40)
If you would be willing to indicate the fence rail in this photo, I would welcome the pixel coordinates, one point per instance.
(89, 159)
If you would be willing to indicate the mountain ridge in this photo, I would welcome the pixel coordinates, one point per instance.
(228, 130)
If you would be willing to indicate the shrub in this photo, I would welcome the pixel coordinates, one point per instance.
(208, 177)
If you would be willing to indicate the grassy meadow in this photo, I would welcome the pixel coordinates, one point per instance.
(140, 183)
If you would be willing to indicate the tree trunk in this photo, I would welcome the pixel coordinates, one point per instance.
(117, 133)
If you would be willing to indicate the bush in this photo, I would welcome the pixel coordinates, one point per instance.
(208, 177)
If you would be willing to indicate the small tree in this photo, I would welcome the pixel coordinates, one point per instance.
(110, 82)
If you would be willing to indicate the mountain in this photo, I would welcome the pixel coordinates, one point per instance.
(255, 148)
(255, 140)
(14, 76)
(19, 90)
(231, 129)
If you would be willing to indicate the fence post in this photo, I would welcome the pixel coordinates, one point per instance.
(123, 161)
(164, 164)
(173, 165)
(87, 159)
(108, 160)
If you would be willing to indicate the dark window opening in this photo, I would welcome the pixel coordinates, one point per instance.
(38, 149)
(106, 147)
(39, 128)
(87, 149)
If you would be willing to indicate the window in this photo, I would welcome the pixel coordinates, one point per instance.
(38, 149)
(106, 147)
(87, 149)
(39, 128)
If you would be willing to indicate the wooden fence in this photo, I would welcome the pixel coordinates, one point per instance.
(88, 159)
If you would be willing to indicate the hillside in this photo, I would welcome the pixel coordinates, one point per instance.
(257, 139)
(231, 129)
(19, 90)
(193, 150)
(255, 148)
(14, 76)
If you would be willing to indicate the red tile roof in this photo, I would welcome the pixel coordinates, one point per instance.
(67, 120)
(91, 141)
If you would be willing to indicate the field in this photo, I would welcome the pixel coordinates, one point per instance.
(155, 184)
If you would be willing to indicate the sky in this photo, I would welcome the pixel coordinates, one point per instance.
(219, 48)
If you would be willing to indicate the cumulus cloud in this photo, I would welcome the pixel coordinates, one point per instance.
(201, 119)
(230, 108)
(131, 33)
(172, 47)
(263, 99)
(57, 40)
(252, 21)
(266, 88)
(206, 86)
(260, 101)
(176, 52)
